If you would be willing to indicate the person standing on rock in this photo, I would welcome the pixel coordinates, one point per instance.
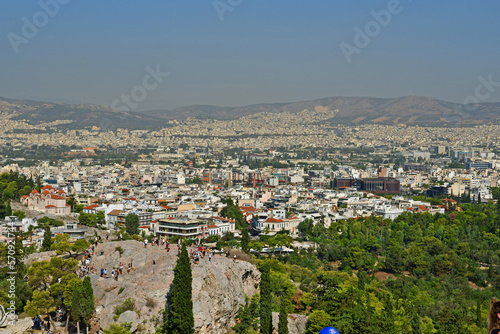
(234, 258)
(105, 273)
(145, 243)
(121, 237)
(209, 257)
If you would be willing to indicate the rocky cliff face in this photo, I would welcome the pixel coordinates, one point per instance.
(219, 287)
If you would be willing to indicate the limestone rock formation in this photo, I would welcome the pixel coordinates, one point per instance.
(20, 326)
(42, 256)
(297, 323)
(129, 317)
(219, 286)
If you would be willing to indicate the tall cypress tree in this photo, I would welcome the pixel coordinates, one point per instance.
(179, 308)
(76, 301)
(87, 304)
(245, 239)
(266, 307)
(283, 320)
(47, 239)
(8, 209)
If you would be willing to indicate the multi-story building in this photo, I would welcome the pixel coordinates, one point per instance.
(207, 177)
(378, 185)
(72, 230)
(180, 227)
(145, 218)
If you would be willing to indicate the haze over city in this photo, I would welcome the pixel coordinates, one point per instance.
(249, 52)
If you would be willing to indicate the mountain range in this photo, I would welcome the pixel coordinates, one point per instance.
(409, 110)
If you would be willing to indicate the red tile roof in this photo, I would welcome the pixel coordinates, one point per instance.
(57, 197)
(274, 220)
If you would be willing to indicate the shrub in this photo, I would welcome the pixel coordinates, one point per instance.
(119, 250)
(150, 302)
(127, 305)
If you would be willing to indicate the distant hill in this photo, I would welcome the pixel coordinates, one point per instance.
(80, 115)
(409, 110)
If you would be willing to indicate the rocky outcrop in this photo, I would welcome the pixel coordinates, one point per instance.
(42, 256)
(20, 326)
(297, 323)
(219, 287)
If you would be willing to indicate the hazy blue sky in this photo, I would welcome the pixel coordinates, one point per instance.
(262, 51)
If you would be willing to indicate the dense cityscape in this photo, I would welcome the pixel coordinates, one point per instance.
(249, 167)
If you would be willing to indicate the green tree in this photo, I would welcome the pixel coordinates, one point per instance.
(283, 318)
(80, 245)
(47, 239)
(387, 316)
(8, 209)
(245, 239)
(76, 304)
(266, 300)
(232, 211)
(318, 320)
(70, 282)
(40, 304)
(72, 202)
(247, 315)
(415, 322)
(19, 214)
(132, 223)
(87, 305)
(306, 226)
(179, 308)
(101, 218)
(61, 244)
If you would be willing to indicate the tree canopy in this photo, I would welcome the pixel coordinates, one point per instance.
(132, 223)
